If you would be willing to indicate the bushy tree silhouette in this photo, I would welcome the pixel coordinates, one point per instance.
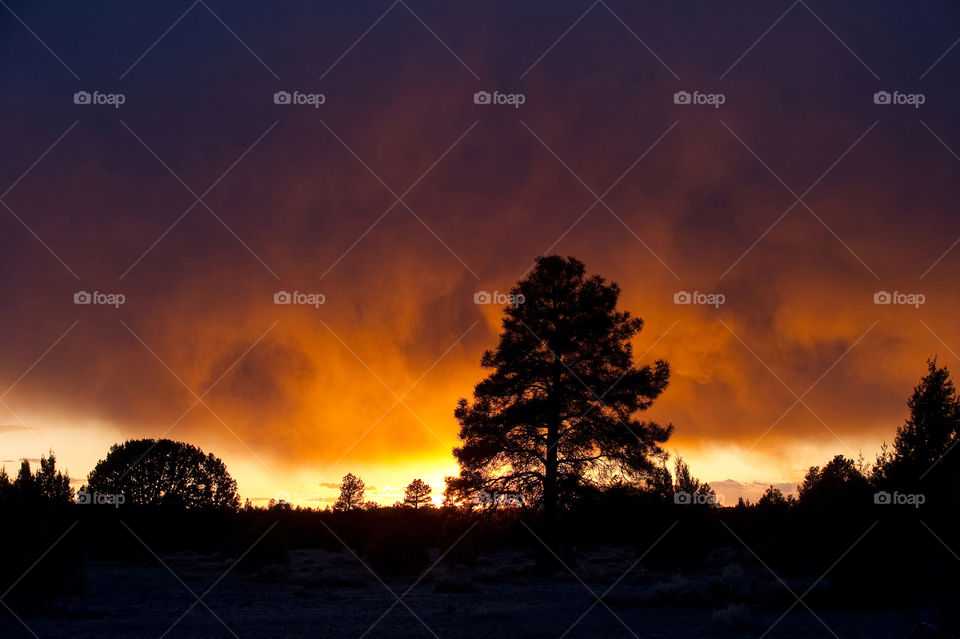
(351, 493)
(559, 409)
(52, 484)
(923, 444)
(774, 499)
(26, 484)
(662, 485)
(686, 483)
(35, 565)
(840, 483)
(164, 473)
(659, 484)
(281, 505)
(45, 484)
(417, 494)
(6, 486)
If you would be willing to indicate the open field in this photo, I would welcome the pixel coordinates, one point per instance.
(328, 594)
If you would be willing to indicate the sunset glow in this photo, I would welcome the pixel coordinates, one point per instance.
(399, 198)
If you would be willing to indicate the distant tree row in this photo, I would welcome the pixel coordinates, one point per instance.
(145, 472)
(174, 474)
(556, 419)
(921, 465)
(416, 494)
(166, 473)
(45, 484)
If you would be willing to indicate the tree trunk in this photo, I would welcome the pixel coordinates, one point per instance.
(547, 559)
(551, 467)
(550, 479)
(551, 495)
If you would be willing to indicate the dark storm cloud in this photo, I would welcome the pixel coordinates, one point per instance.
(289, 195)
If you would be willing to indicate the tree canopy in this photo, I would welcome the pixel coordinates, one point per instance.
(559, 408)
(163, 472)
(931, 430)
(351, 493)
(417, 494)
(841, 483)
(46, 483)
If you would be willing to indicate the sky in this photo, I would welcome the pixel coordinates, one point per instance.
(782, 163)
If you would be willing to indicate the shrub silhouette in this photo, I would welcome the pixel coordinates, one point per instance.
(773, 499)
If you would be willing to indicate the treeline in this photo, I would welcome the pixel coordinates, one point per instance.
(554, 458)
(867, 527)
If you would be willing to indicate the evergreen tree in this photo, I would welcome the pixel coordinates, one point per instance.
(351, 493)
(52, 484)
(417, 494)
(922, 458)
(559, 409)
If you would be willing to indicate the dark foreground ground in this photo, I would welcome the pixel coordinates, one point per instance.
(324, 594)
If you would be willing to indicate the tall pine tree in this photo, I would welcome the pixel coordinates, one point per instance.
(559, 409)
